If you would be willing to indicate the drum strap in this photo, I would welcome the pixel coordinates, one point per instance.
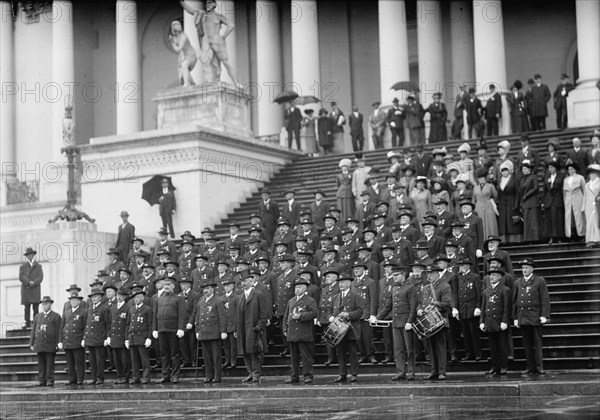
(433, 297)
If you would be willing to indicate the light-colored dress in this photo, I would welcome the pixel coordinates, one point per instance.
(573, 188)
(485, 208)
(309, 135)
(359, 176)
(466, 166)
(345, 201)
(592, 230)
(422, 200)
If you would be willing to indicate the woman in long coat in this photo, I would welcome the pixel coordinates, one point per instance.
(324, 131)
(553, 145)
(529, 202)
(483, 194)
(552, 202)
(345, 200)
(509, 231)
(518, 109)
(573, 188)
(421, 197)
(592, 189)
(437, 122)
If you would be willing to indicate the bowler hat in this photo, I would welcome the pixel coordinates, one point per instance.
(75, 295)
(96, 291)
(331, 271)
(46, 299)
(74, 287)
(124, 213)
(136, 239)
(528, 261)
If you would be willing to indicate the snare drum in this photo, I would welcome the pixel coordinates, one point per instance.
(336, 331)
(430, 323)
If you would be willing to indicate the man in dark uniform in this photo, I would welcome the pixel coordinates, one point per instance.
(117, 335)
(70, 338)
(401, 305)
(302, 260)
(447, 275)
(211, 327)
(253, 252)
(328, 291)
(433, 241)
(186, 259)
(367, 290)
(168, 326)
(347, 306)
(403, 248)
(147, 279)
(492, 243)
(386, 282)
(496, 310)
(44, 340)
(251, 310)
(462, 241)
(112, 269)
(365, 257)
(73, 289)
(212, 253)
(437, 294)
(347, 250)
(473, 229)
(406, 230)
(234, 229)
(331, 229)
(318, 210)
(283, 235)
(201, 273)
(466, 293)
(531, 310)
(138, 337)
(164, 244)
(136, 249)
(188, 342)
(285, 291)
(96, 333)
(229, 343)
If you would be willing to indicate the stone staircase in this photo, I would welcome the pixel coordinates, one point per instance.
(571, 338)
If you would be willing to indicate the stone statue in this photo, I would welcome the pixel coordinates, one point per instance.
(68, 126)
(187, 55)
(213, 50)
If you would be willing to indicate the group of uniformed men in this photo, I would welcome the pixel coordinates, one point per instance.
(238, 296)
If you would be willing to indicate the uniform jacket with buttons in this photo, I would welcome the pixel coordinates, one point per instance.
(191, 302)
(97, 326)
(347, 253)
(228, 304)
(211, 319)
(328, 293)
(187, 262)
(300, 330)
(72, 327)
(269, 280)
(385, 294)
(400, 306)
(496, 307)
(352, 305)
(285, 291)
(118, 325)
(44, 332)
(404, 252)
(473, 229)
(168, 313)
(531, 301)
(139, 325)
(501, 254)
(444, 220)
(262, 288)
(367, 290)
(467, 294)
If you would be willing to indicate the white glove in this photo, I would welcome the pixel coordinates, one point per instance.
(479, 253)
(223, 336)
(127, 344)
(147, 343)
(155, 335)
(331, 319)
(372, 319)
(180, 333)
(31, 347)
(197, 336)
(234, 335)
(482, 326)
(543, 319)
(455, 313)
(503, 326)
(82, 343)
(60, 346)
(420, 312)
(393, 124)
(477, 312)
(408, 326)
(188, 326)
(516, 323)
(107, 342)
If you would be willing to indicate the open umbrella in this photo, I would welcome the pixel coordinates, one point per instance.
(286, 96)
(152, 189)
(409, 86)
(305, 100)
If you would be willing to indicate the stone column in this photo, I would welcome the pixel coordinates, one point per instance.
(192, 33)
(227, 9)
(393, 47)
(305, 48)
(128, 87)
(490, 59)
(268, 68)
(7, 107)
(583, 103)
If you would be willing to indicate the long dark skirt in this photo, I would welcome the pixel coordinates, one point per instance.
(554, 222)
(531, 224)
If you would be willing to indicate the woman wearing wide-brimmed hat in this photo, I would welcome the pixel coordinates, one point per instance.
(529, 203)
(518, 108)
(573, 188)
(553, 146)
(485, 196)
(553, 203)
(345, 200)
(509, 231)
(591, 199)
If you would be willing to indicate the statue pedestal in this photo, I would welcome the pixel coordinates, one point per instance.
(215, 106)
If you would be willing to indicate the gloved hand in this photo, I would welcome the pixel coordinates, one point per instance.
(331, 319)
(31, 348)
(127, 344)
(454, 313)
(155, 335)
(223, 336)
(408, 326)
(477, 312)
(315, 321)
(479, 253)
(516, 323)
(147, 343)
(420, 312)
(372, 319)
(180, 333)
(543, 319)
(82, 343)
(234, 335)
(60, 346)
(503, 326)
(107, 342)
(188, 326)
(197, 336)
(482, 326)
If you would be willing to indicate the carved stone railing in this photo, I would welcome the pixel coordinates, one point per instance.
(22, 192)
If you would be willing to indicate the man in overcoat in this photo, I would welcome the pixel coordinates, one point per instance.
(44, 341)
(30, 276)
